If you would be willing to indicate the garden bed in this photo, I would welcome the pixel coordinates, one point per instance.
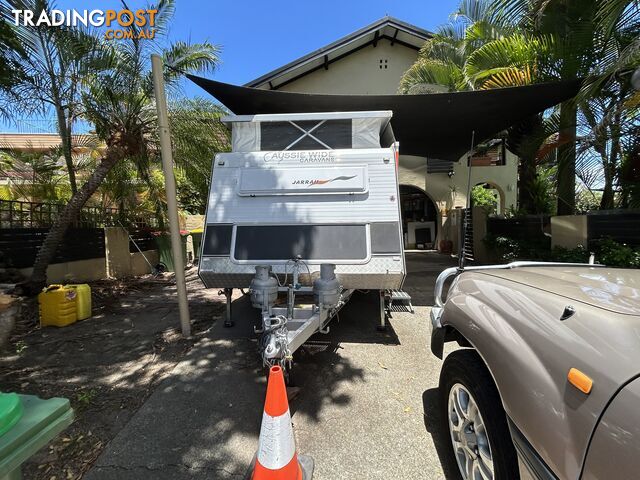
(106, 365)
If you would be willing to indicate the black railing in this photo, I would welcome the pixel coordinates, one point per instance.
(19, 246)
(18, 214)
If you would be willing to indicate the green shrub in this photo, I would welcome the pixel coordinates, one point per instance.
(570, 255)
(507, 249)
(614, 254)
(607, 252)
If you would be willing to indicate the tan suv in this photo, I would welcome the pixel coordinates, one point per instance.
(548, 384)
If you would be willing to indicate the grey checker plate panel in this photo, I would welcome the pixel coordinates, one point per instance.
(381, 272)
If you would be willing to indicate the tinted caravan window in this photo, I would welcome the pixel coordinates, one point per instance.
(311, 242)
(217, 240)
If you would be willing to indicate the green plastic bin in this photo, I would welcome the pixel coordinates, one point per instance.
(164, 250)
(32, 424)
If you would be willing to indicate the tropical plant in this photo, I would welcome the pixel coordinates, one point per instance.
(11, 56)
(119, 102)
(450, 59)
(42, 177)
(197, 136)
(518, 42)
(482, 196)
(55, 67)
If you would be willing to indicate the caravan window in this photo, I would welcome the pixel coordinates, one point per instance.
(311, 242)
(306, 135)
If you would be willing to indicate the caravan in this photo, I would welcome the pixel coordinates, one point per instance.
(304, 211)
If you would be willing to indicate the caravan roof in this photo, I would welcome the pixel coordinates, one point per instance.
(280, 117)
(310, 131)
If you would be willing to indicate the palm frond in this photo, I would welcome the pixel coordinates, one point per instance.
(186, 57)
(506, 56)
(432, 72)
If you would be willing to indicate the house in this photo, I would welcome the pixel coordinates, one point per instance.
(372, 60)
(35, 136)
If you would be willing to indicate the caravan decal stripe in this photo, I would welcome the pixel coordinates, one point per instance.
(323, 182)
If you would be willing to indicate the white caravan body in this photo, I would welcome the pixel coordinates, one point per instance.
(317, 187)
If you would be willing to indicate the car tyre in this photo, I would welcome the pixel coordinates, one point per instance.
(464, 374)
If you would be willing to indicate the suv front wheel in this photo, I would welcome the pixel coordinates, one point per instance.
(475, 420)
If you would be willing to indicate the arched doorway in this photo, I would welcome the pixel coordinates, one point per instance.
(488, 195)
(419, 218)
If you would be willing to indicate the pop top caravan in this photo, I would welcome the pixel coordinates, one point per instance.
(303, 211)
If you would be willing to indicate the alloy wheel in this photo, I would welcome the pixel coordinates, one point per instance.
(469, 435)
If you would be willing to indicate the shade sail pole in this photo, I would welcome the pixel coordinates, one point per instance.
(170, 186)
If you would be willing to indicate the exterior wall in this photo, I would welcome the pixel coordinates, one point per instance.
(193, 222)
(138, 264)
(360, 72)
(78, 271)
(96, 268)
(449, 193)
(569, 231)
(116, 242)
(117, 263)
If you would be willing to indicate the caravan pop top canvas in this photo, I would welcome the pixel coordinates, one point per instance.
(316, 188)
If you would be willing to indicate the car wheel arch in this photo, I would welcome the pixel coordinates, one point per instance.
(453, 334)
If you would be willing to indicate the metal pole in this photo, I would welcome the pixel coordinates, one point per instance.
(170, 186)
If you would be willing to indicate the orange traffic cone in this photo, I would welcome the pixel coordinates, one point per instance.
(276, 458)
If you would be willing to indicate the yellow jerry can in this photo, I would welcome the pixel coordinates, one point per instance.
(57, 306)
(83, 300)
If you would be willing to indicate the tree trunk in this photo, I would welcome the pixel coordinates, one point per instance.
(567, 159)
(527, 178)
(65, 138)
(607, 200)
(611, 162)
(69, 214)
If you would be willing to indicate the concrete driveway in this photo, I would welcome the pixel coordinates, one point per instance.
(366, 408)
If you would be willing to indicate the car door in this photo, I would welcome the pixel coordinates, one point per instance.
(614, 450)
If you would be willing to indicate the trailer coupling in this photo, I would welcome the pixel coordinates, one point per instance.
(287, 327)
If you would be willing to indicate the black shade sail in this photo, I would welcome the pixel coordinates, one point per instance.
(437, 125)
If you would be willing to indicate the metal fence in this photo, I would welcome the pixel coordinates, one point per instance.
(619, 225)
(530, 227)
(19, 246)
(18, 214)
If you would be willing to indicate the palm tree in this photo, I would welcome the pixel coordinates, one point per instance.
(449, 59)
(198, 134)
(543, 40)
(442, 59)
(572, 40)
(11, 55)
(45, 178)
(55, 65)
(119, 102)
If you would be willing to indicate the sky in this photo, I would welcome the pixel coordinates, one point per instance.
(256, 37)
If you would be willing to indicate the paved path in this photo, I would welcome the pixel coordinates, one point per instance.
(366, 407)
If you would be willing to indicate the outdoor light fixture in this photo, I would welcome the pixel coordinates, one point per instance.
(451, 173)
(635, 79)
